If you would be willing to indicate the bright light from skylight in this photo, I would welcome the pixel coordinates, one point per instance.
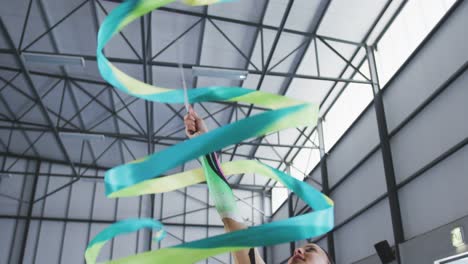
(412, 25)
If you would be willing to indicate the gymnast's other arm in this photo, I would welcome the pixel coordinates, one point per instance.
(195, 126)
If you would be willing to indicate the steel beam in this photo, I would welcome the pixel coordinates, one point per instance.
(147, 47)
(314, 28)
(55, 25)
(390, 179)
(92, 221)
(29, 214)
(188, 66)
(31, 86)
(264, 72)
(463, 143)
(365, 38)
(325, 184)
(120, 33)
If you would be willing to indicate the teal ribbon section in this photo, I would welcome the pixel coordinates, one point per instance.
(132, 178)
(126, 226)
(296, 228)
(120, 228)
(154, 165)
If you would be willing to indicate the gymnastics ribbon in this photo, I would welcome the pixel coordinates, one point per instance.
(145, 176)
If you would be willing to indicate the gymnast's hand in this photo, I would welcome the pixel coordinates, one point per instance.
(194, 125)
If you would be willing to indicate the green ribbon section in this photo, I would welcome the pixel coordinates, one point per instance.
(145, 176)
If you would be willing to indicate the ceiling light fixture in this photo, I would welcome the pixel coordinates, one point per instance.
(82, 136)
(219, 73)
(53, 59)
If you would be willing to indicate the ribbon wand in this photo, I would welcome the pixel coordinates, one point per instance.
(186, 99)
(184, 84)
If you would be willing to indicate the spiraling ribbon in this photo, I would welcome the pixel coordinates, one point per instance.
(145, 176)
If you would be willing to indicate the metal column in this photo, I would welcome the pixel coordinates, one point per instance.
(30, 209)
(325, 185)
(392, 189)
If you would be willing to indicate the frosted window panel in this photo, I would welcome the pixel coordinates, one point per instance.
(281, 212)
(415, 24)
(346, 109)
(330, 63)
(286, 44)
(328, 101)
(350, 20)
(260, 179)
(302, 14)
(432, 11)
(245, 211)
(431, 67)
(448, 3)
(242, 193)
(410, 27)
(278, 196)
(296, 173)
(306, 159)
(288, 136)
(312, 91)
(356, 144)
(274, 10)
(308, 64)
(259, 204)
(267, 152)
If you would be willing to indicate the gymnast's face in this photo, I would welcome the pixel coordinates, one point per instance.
(309, 254)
